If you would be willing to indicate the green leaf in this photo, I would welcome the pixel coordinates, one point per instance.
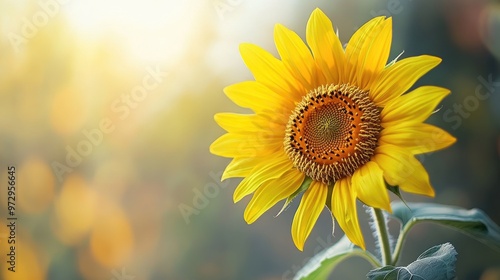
(437, 263)
(322, 264)
(474, 222)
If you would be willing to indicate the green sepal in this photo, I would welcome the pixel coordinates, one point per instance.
(395, 190)
(436, 263)
(303, 187)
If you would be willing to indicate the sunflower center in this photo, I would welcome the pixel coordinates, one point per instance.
(332, 132)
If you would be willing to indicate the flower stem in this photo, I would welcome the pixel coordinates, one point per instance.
(383, 236)
(399, 245)
(401, 239)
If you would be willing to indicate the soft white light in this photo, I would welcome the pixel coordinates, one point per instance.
(152, 30)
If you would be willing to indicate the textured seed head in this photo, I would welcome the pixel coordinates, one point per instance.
(332, 132)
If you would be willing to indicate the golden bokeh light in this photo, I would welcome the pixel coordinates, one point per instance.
(36, 185)
(111, 239)
(74, 210)
(68, 111)
(107, 114)
(89, 268)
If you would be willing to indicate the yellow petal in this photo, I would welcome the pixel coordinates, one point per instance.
(271, 72)
(232, 122)
(402, 169)
(418, 138)
(394, 161)
(370, 186)
(296, 56)
(256, 96)
(271, 192)
(262, 124)
(240, 167)
(273, 168)
(311, 205)
(244, 145)
(399, 77)
(325, 46)
(414, 107)
(345, 212)
(367, 51)
(418, 181)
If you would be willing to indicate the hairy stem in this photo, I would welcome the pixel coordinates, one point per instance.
(383, 236)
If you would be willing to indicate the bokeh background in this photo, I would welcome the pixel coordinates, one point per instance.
(106, 111)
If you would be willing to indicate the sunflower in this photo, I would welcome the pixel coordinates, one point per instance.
(332, 123)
